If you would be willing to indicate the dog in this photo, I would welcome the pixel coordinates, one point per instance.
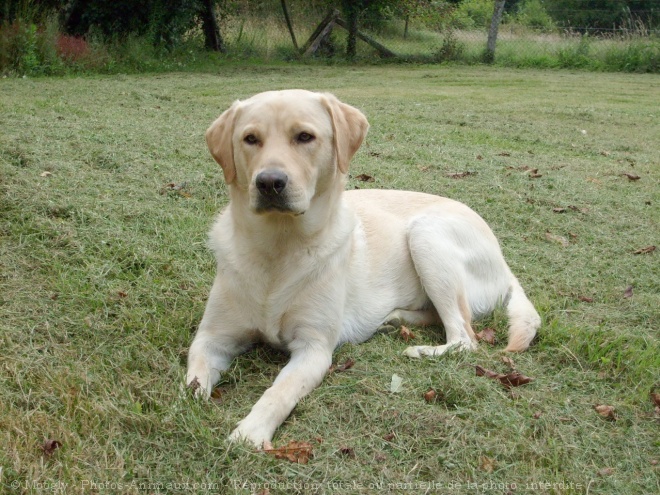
(305, 266)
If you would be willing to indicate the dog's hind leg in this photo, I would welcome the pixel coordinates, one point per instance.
(438, 263)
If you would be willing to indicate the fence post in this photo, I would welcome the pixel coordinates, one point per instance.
(489, 56)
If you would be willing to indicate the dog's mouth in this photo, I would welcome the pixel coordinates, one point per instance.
(276, 205)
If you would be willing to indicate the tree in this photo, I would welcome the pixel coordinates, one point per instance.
(492, 32)
(602, 15)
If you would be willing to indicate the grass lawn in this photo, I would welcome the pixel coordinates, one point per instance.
(107, 192)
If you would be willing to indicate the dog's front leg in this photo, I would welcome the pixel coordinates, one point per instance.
(308, 365)
(219, 339)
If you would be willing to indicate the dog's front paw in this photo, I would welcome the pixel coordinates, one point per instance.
(418, 351)
(255, 437)
(198, 386)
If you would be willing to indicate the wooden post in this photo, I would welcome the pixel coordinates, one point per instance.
(489, 56)
(329, 19)
(289, 24)
(384, 51)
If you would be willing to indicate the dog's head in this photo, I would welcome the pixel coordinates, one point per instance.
(284, 148)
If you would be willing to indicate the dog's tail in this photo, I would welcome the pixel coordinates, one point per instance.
(523, 319)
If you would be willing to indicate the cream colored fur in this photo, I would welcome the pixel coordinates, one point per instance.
(308, 266)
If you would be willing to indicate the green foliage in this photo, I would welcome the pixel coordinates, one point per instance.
(602, 15)
(473, 14)
(532, 14)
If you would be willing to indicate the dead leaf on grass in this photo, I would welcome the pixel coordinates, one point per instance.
(45, 173)
(646, 250)
(389, 437)
(406, 333)
(586, 299)
(347, 452)
(487, 335)
(605, 471)
(537, 414)
(504, 153)
(430, 395)
(513, 379)
(365, 178)
(628, 293)
(556, 239)
(534, 173)
(298, 452)
(50, 446)
(605, 411)
(655, 398)
(338, 368)
(631, 177)
(487, 464)
(559, 210)
(460, 175)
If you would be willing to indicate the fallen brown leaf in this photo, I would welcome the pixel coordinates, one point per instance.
(537, 415)
(460, 175)
(430, 396)
(298, 452)
(389, 437)
(606, 412)
(365, 178)
(347, 452)
(646, 250)
(487, 335)
(586, 299)
(559, 210)
(374, 153)
(628, 293)
(631, 177)
(556, 239)
(487, 464)
(45, 173)
(406, 334)
(342, 367)
(216, 395)
(49, 446)
(513, 379)
(655, 398)
(606, 471)
(504, 153)
(479, 157)
(534, 173)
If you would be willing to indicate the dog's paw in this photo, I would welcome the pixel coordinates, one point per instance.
(255, 438)
(419, 351)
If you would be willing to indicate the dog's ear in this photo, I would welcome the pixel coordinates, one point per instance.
(219, 141)
(349, 126)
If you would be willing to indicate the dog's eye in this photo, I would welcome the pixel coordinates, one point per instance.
(305, 137)
(251, 139)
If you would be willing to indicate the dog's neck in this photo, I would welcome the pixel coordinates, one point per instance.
(325, 226)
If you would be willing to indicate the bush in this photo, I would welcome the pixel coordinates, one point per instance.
(26, 49)
(473, 14)
(532, 14)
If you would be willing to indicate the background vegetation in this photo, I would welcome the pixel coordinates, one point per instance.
(107, 192)
(122, 36)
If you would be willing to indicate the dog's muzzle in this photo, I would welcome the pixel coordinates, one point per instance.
(271, 185)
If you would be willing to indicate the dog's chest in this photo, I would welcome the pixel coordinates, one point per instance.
(273, 295)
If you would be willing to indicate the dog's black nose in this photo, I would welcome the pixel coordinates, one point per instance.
(271, 182)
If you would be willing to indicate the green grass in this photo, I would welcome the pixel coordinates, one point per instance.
(104, 275)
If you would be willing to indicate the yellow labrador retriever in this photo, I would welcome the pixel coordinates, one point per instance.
(305, 266)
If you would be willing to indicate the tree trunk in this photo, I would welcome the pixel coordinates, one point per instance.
(212, 37)
(489, 57)
(351, 10)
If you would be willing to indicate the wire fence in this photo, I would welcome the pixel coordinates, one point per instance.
(634, 46)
